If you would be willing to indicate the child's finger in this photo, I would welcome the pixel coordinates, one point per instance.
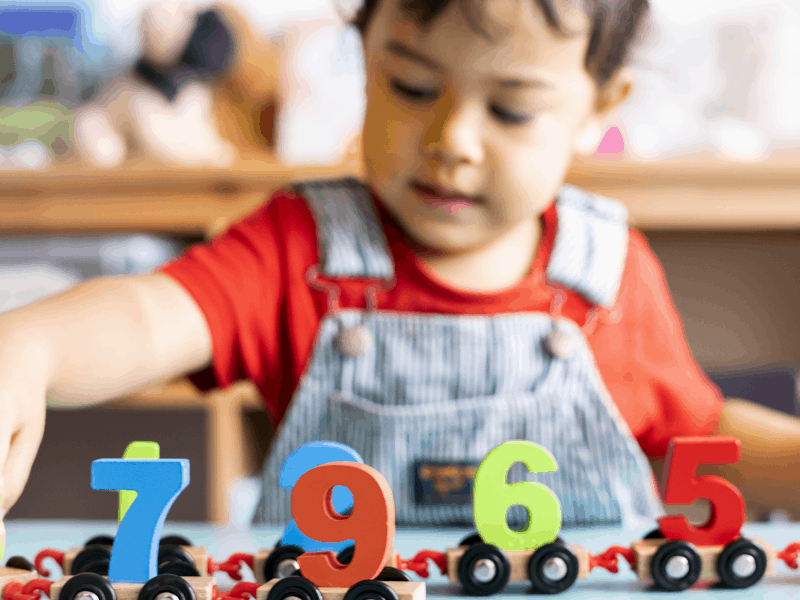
(21, 453)
(6, 432)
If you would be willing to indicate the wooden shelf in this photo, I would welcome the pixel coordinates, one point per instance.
(145, 197)
(690, 193)
(700, 193)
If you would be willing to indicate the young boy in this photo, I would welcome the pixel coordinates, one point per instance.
(459, 297)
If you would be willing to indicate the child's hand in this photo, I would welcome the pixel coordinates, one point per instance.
(103, 339)
(21, 430)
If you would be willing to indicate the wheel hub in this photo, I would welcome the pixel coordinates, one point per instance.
(86, 595)
(484, 570)
(677, 567)
(744, 566)
(286, 567)
(555, 568)
(166, 596)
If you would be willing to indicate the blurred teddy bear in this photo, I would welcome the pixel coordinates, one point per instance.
(204, 90)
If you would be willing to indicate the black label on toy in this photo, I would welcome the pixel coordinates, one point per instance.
(437, 483)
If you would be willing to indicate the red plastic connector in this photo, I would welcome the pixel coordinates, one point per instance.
(57, 555)
(419, 564)
(608, 559)
(789, 554)
(17, 591)
(232, 566)
(242, 591)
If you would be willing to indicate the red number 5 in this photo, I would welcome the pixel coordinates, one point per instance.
(371, 523)
(681, 485)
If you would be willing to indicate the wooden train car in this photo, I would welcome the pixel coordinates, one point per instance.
(281, 561)
(380, 588)
(92, 585)
(674, 565)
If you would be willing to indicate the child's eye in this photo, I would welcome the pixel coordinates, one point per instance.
(411, 92)
(514, 118)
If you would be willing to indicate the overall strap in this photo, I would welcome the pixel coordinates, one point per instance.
(590, 246)
(349, 233)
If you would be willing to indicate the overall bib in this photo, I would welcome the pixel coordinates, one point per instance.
(402, 388)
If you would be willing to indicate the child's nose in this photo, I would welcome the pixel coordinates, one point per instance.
(455, 133)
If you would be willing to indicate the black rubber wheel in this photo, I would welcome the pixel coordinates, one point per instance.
(298, 587)
(174, 540)
(392, 574)
(20, 562)
(553, 568)
(87, 582)
(167, 553)
(654, 535)
(660, 566)
(282, 562)
(472, 538)
(101, 540)
(177, 567)
(754, 561)
(90, 555)
(470, 580)
(346, 555)
(169, 584)
(371, 589)
(98, 567)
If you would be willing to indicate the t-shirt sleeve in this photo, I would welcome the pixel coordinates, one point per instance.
(648, 367)
(237, 281)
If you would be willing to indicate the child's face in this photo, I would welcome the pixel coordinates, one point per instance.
(497, 122)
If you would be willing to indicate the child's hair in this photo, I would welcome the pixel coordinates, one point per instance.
(616, 26)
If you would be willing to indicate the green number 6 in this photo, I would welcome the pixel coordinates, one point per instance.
(492, 497)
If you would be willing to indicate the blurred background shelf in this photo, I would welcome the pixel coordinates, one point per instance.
(691, 193)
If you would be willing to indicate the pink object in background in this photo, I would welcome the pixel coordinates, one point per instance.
(612, 146)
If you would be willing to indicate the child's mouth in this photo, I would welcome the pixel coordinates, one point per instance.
(440, 198)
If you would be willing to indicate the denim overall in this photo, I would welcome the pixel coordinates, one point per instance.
(404, 387)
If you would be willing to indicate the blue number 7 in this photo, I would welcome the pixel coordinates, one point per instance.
(157, 483)
(304, 459)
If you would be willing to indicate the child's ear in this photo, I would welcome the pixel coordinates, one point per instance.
(614, 93)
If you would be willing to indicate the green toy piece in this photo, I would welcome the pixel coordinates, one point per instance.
(136, 450)
(47, 122)
(492, 497)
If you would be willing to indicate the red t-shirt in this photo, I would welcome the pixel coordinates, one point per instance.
(250, 283)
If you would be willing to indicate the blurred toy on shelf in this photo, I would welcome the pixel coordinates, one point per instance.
(203, 91)
(50, 63)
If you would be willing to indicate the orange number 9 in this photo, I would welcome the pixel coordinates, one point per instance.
(370, 524)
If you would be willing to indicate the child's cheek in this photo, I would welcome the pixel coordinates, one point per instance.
(391, 139)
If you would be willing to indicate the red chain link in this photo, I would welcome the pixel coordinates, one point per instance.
(242, 590)
(17, 591)
(608, 559)
(57, 555)
(419, 564)
(789, 554)
(232, 566)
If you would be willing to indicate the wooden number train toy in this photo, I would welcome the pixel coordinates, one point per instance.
(673, 557)
(339, 544)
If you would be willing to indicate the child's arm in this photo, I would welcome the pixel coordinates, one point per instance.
(97, 341)
(769, 471)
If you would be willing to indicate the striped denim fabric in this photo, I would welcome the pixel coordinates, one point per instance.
(452, 387)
